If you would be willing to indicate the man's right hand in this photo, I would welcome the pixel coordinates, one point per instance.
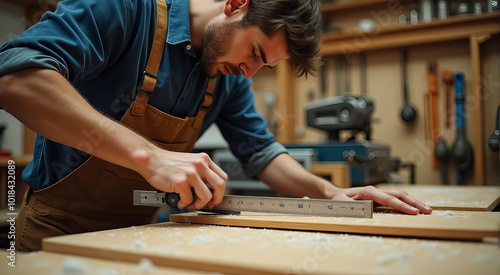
(180, 173)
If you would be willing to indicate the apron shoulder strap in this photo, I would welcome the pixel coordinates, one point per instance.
(155, 55)
(205, 104)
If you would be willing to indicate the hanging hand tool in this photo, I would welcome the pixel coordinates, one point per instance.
(433, 109)
(408, 112)
(447, 77)
(494, 140)
(462, 150)
(441, 153)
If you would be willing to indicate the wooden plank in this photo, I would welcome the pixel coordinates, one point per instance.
(257, 251)
(440, 224)
(51, 263)
(462, 198)
(287, 94)
(475, 56)
(339, 172)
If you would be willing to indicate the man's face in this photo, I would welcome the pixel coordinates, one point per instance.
(227, 48)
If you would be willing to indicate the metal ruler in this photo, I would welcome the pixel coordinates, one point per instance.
(234, 204)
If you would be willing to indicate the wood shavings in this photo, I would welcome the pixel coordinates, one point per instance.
(290, 238)
(486, 259)
(373, 239)
(74, 266)
(444, 257)
(232, 240)
(172, 250)
(138, 244)
(145, 266)
(107, 271)
(448, 214)
(42, 264)
(393, 256)
(429, 245)
(202, 239)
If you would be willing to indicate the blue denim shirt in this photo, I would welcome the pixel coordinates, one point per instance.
(102, 48)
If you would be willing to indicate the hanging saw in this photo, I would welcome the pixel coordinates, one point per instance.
(235, 204)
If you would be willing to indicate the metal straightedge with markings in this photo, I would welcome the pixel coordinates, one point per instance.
(280, 205)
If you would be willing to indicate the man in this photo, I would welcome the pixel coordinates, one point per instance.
(118, 102)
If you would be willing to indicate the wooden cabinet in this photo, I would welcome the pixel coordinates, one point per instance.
(389, 34)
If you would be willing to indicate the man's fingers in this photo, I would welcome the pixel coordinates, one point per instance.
(186, 196)
(215, 178)
(203, 194)
(411, 201)
(218, 185)
(214, 167)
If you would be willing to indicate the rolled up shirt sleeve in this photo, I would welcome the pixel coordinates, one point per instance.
(15, 59)
(261, 159)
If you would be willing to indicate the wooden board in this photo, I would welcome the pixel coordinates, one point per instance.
(464, 198)
(240, 250)
(51, 263)
(440, 224)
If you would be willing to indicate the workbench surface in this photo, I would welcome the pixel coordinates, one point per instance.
(241, 250)
(58, 264)
(462, 198)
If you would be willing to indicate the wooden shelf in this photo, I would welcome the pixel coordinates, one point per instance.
(32, 2)
(345, 5)
(454, 28)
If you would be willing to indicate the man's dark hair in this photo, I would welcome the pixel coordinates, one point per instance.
(301, 20)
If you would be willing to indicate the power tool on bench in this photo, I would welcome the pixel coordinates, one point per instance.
(370, 161)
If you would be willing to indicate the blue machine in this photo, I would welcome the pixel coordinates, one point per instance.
(370, 161)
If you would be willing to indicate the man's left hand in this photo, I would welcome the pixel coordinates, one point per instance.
(399, 200)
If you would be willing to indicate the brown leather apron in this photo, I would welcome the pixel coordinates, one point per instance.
(98, 195)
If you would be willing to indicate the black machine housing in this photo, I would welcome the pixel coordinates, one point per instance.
(339, 113)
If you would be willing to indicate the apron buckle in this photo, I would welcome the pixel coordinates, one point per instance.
(147, 84)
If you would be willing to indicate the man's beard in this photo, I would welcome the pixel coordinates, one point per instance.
(215, 43)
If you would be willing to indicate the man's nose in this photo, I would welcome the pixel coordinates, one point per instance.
(250, 68)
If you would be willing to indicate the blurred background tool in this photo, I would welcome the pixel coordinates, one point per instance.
(462, 150)
(447, 77)
(433, 94)
(408, 112)
(494, 140)
(441, 153)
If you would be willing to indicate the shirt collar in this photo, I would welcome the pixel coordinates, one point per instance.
(178, 22)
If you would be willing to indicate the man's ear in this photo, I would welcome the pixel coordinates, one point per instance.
(232, 7)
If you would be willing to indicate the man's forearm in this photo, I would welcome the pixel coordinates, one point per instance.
(287, 176)
(48, 104)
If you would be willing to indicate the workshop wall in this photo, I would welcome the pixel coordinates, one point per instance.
(11, 25)
(384, 86)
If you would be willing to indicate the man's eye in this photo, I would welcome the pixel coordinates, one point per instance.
(253, 52)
